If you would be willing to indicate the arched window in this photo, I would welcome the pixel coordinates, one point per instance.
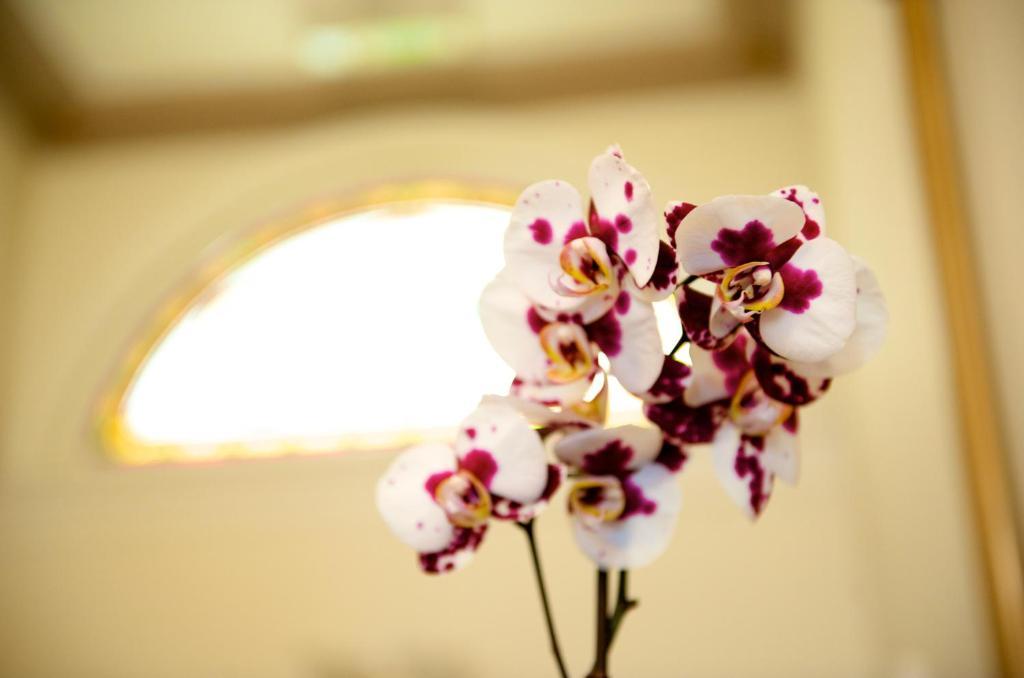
(352, 327)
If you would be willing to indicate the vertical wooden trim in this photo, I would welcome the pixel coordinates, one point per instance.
(985, 452)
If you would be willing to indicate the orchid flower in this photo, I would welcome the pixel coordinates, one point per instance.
(743, 401)
(623, 499)
(775, 273)
(555, 354)
(439, 498)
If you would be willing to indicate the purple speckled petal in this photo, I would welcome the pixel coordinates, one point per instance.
(818, 312)
(611, 451)
(697, 311)
(628, 335)
(716, 374)
(407, 506)
(498, 439)
(741, 469)
(622, 200)
(781, 382)
(512, 325)
(642, 535)
(456, 554)
(814, 211)
(867, 337)
(663, 281)
(733, 230)
(543, 217)
(670, 384)
(686, 424)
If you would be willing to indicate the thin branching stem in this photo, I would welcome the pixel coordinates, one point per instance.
(548, 619)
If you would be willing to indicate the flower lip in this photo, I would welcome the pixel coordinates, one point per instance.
(753, 412)
(569, 351)
(751, 288)
(597, 499)
(586, 266)
(464, 499)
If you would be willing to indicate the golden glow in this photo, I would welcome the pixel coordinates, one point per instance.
(153, 413)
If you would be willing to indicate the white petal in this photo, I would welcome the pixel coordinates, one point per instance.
(406, 504)
(810, 203)
(622, 198)
(741, 470)
(733, 230)
(818, 311)
(457, 553)
(543, 216)
(867, 337)
(549, 394)
(512, 326)
(536, 413)
(717, 374)
(628, 335)
(781, 455)
(609, 451)
(639, 539)
(499, 440)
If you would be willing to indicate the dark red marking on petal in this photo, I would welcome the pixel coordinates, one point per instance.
(541, 231)
(610, 460)
(801, 287)
(481, 464)
(603, 229)
(534, 320)
(471, 432)
(687, 424)
(463, 539)
(622, 302)
(811, 229)
(781, 383)
(675, 216)
(577, 230)
(672, 456)
(670, 381)
(665, 268)
(630, 256)
(695, 315)
(434, 480)
(628, 189)
(781, 254)
(750, 465)
(623, 223)
(792, 423)
(606, 331)
(732, 361)
(636, 501)
(750, 244)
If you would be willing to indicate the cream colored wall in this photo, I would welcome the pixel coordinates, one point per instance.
(985, 56)
(282, 568)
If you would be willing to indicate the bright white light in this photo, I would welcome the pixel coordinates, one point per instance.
(365, 326)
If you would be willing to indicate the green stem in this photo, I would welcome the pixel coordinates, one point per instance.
(623, 604)
(539, 573)
(600, 669)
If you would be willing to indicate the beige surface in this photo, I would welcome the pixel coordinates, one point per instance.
(985, 42)
(283, 569)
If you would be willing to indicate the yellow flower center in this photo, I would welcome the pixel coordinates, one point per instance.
(464, 499)
(597, 499)
(752, 411)
(587, 267)
(568, 348)
(751, 288)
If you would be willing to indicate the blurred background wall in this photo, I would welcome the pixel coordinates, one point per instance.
(282, 568)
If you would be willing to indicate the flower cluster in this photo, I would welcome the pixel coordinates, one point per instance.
(772, 310)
